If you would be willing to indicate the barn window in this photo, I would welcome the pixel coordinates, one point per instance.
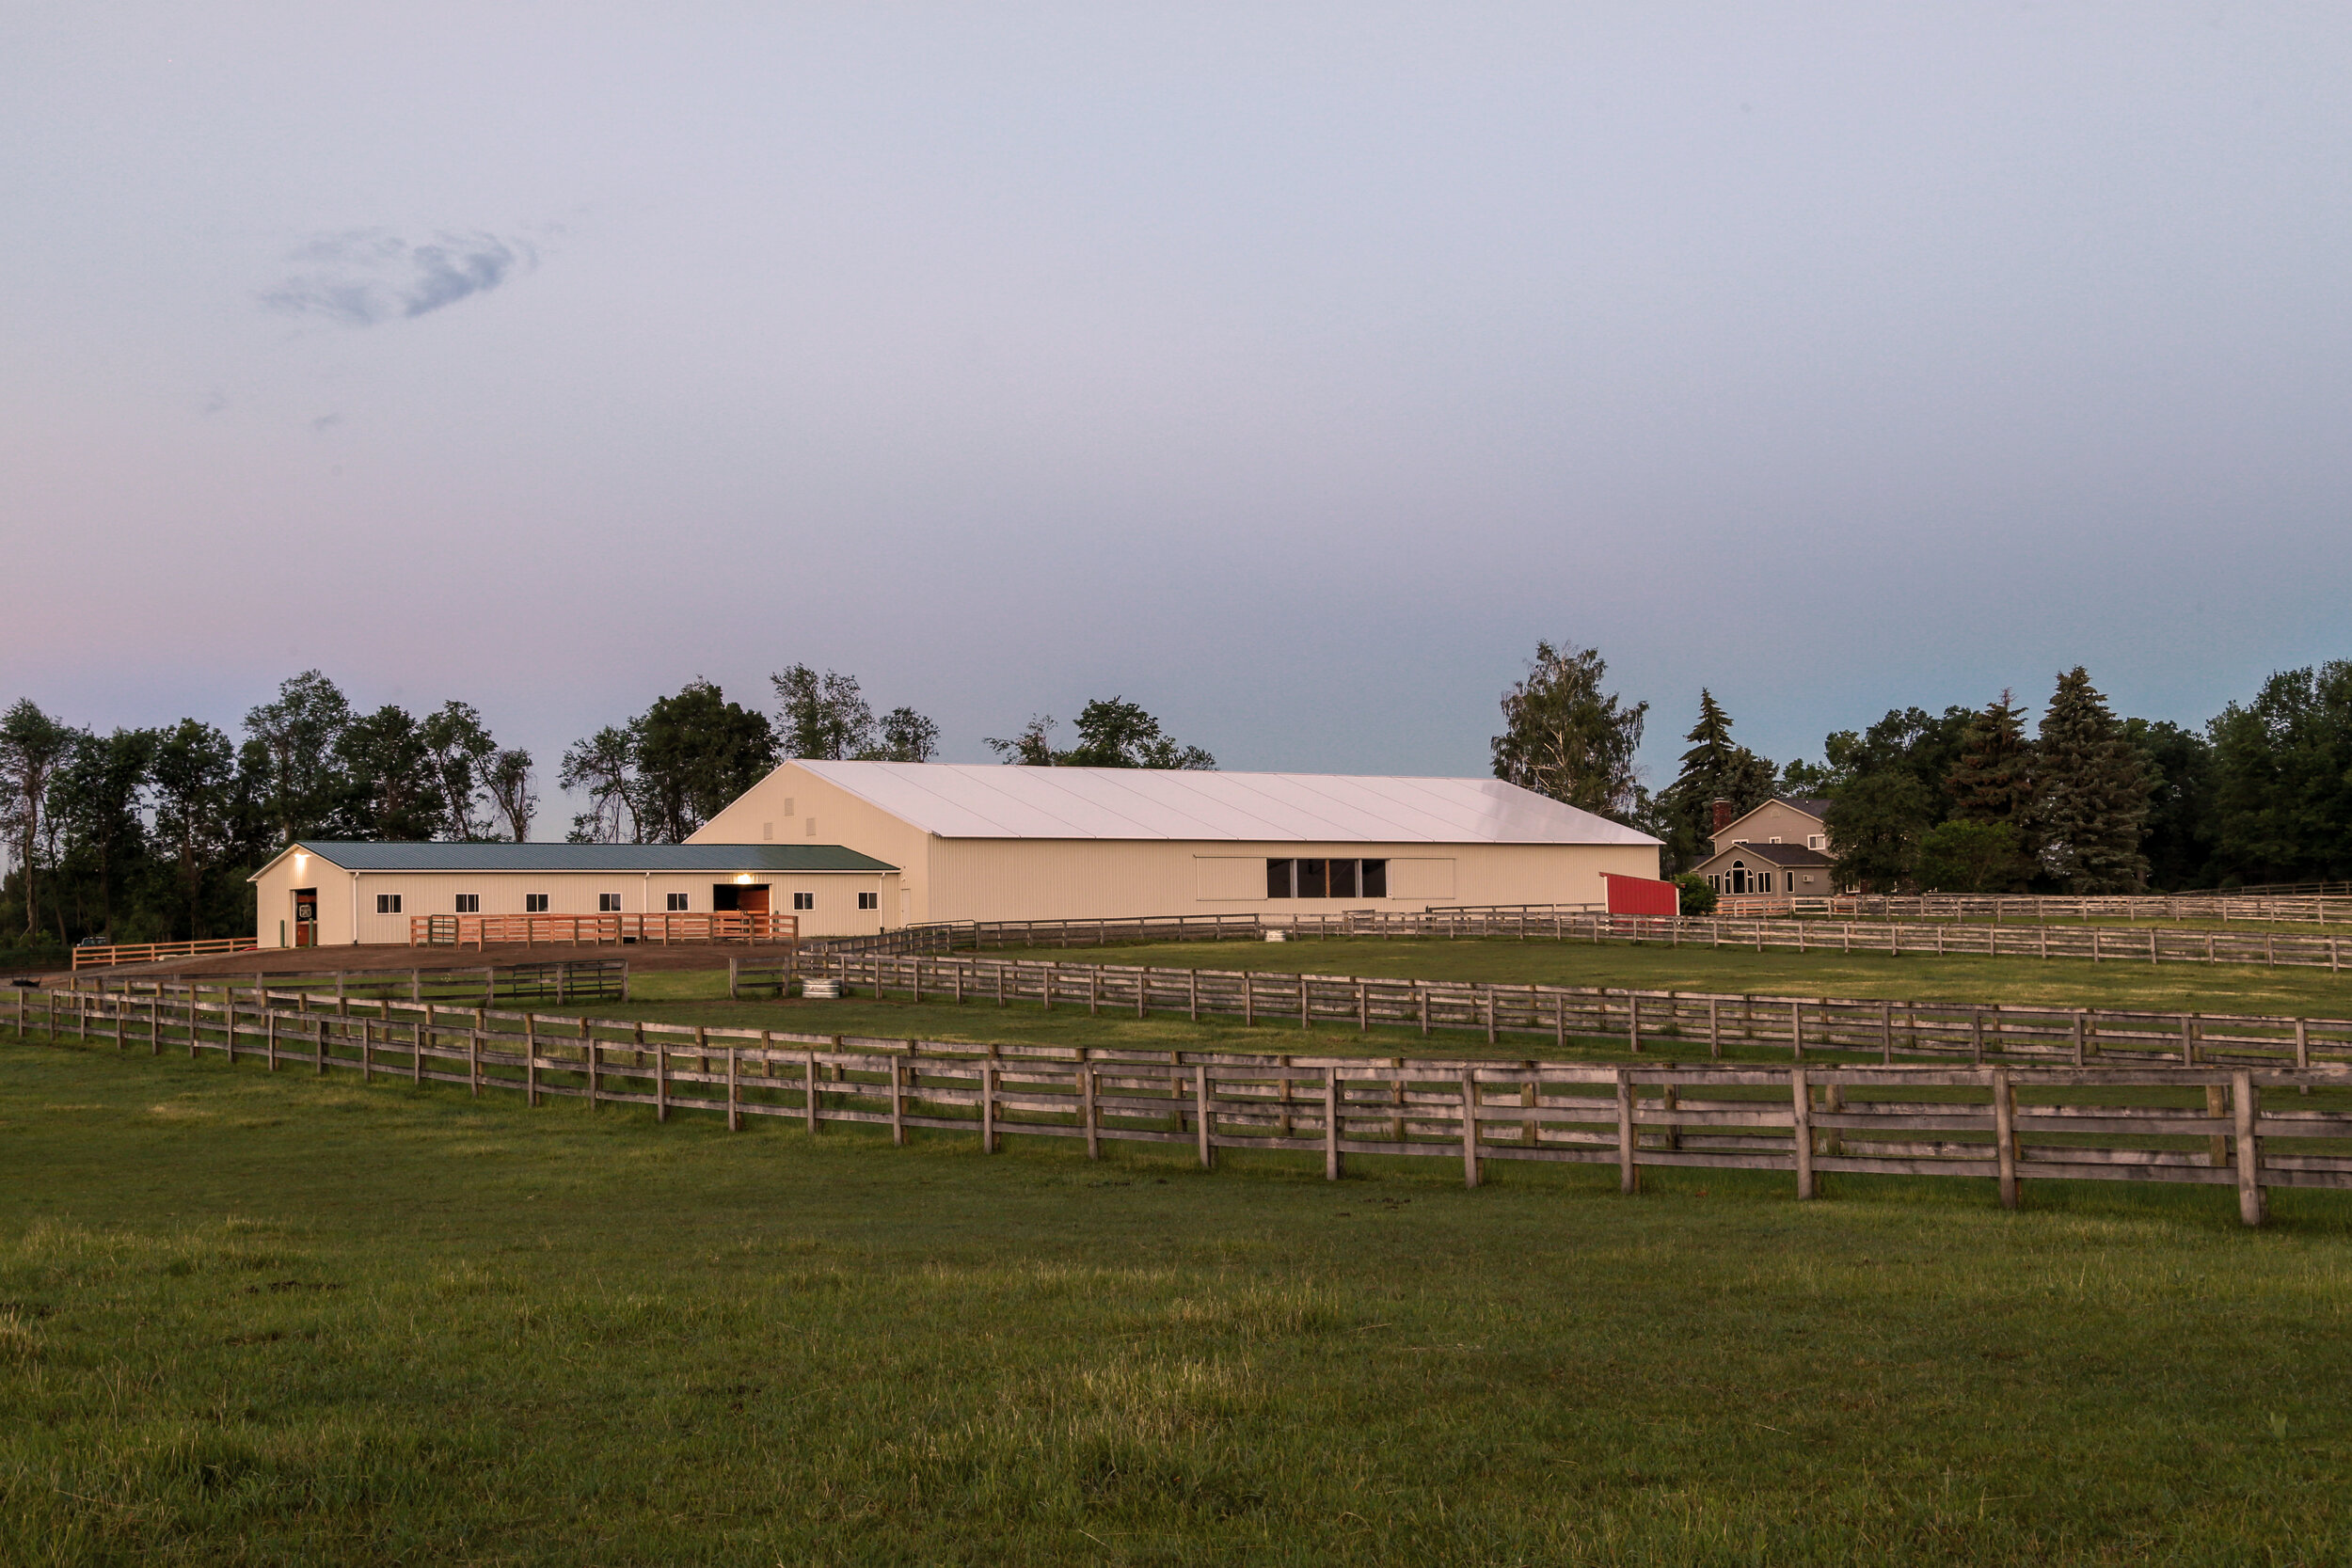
(811, 827)
(804, 900)
(608, 903)
(534, 903)
(766, 830)
(869, 900)
(470, 903)
(387, 903)
(677, 901)
(1327, 878)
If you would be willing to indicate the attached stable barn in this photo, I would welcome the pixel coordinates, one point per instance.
(1009, 843)
(327, 892)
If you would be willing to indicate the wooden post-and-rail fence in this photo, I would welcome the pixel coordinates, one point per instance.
(2001, 1122)
(1681, 1023)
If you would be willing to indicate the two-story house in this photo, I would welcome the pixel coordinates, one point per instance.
(1780, 848)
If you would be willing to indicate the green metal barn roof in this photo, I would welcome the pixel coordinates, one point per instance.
(635, 859)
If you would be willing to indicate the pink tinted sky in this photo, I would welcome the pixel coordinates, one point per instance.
(1288, 369)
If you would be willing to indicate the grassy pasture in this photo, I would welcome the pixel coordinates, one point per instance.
(2055, 982)
(255, 1319)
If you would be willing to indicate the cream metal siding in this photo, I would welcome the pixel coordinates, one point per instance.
(839, 817)
(1101, 878)
(347, 899)
(1085, 879)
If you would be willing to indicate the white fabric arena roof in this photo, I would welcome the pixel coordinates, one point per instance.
(984, 800)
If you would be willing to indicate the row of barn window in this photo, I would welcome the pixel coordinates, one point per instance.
(607, 903)
(1327, 878)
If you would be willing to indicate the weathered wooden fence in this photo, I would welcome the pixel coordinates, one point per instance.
(1785, 932)
(1645, 1019)
(2010, 1124)
(561, 980)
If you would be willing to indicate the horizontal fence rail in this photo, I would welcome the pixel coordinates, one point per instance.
(2312, 908)
(1677, 1022)
(1887, 936)
(2010, 1124)
(578, 930)
(562, 980)
(156, 952)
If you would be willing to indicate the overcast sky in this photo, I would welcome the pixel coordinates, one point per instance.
(1289, 369)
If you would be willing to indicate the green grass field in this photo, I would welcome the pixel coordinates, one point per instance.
(2057, 982)
(247, 1319)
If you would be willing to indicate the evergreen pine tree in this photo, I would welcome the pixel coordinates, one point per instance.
(2093, 796)
(1714, 769)
(1993, 784)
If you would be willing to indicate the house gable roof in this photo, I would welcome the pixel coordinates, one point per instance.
(992, 800)
(1806, 806)
(1788, 856)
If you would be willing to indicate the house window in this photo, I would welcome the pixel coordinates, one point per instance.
(534, 903)
(677, 901)
(1738, 876)
(608, 903)
(804, 901)
(470, 903)
(869, 900)
(1764, 882)
(387, 903)
(1816, 841)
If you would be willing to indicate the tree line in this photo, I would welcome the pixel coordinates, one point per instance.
(1967, 800)
(659, 776)
(149, 834)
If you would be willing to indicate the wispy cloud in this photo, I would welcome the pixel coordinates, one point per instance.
(367, 275)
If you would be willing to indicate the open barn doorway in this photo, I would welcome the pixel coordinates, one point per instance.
(305, 917)
(740, 898)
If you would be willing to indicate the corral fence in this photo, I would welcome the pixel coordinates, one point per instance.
(2010, 1124)
(1563, 923)
(591, 930)
(2312, 909)
(562, 981)
(114, 954)
(1977, 1033)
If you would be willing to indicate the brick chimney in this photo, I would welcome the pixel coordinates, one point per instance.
(1723, 815)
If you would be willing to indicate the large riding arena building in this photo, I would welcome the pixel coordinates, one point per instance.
(852, 848)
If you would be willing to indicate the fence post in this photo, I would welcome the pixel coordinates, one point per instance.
(530, 1059)
(1332, 1159)
(1087, 1110)
(2078, 1037)
(416, 984)
(1633, 1021)
(734, 1089)
(473, 1051)
(1201, 1113)
(2242, 1101)
(2005, 1135)
(322, 1041)
(1714, 1031)
(897, 1101)
(1796, 1031)
(808, 1089)
(988, 1104)
(1469, 1127)
(1800, 1128)
(733, 975)
(1629, 1140)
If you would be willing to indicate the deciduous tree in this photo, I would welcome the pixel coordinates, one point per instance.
(1565, 737)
